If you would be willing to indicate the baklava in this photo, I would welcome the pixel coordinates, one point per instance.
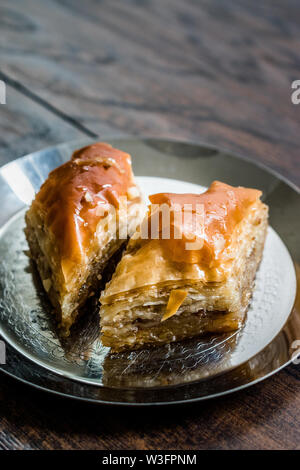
(194, 280)
(81, 216)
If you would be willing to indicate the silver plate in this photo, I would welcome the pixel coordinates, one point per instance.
(80, 367)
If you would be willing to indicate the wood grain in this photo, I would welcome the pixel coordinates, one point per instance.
(217, 71)
(27, 126)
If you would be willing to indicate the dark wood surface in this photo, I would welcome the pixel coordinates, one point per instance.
(216, 71)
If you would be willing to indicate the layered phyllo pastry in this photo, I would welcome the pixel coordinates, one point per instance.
(188, 270)
(81, 216)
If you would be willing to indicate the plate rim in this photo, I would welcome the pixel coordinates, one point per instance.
(146, 139)
(187, 401)
(232, 153)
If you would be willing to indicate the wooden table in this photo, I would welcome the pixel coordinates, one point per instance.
(216, 71)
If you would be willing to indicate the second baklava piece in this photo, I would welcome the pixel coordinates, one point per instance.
(77, 222)
(196, 279)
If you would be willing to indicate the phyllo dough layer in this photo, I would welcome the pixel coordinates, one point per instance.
(74, 224)
(163, 292)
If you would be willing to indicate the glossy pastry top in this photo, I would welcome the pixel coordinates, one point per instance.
(74, 197)
(201, 225)
(230, 217)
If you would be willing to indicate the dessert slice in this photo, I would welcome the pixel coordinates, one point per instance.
(80, 217)
(190, 273)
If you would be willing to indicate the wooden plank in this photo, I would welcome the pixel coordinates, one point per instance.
(263, 417)
(214, 71)
(26, 126)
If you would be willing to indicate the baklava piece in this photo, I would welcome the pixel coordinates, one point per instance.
(78, 220)
(197, 280)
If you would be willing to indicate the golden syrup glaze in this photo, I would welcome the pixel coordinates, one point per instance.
(176, 299)
(69, 198)
(223, 208)
(229, 214)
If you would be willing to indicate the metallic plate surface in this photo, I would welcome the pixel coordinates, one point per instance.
(80, 366)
